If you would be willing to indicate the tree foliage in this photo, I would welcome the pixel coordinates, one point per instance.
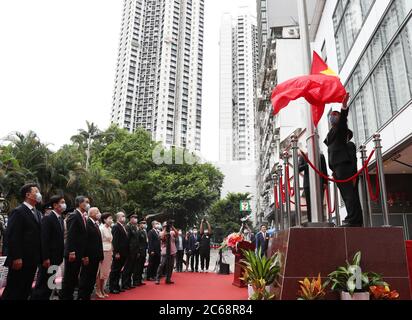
(225, 214)
(115, 169)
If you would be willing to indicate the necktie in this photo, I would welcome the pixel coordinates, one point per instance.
(84, 219)
(61, 223)
(35, 214)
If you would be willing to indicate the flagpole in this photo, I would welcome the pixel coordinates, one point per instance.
(312, 136)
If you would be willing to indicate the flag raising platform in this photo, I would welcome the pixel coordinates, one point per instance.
(306, 252)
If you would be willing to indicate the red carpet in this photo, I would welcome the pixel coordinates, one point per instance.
(188, 286)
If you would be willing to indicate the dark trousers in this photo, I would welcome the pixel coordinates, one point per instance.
(70, 278)
(19, 283)
(154, 261)
(129, 269)
(88, 279)
(194, 261)
(139, 268)
(179, 260)
(167, 264)
(116, 273)
(42, 291)
(308, 202)
(204, 260)
(350, 194)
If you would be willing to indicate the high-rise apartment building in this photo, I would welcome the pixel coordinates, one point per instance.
(238, 71)
(158, 83)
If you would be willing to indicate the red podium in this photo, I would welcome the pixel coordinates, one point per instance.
(244, 245)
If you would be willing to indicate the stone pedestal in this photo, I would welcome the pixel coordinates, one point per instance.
(306, 252)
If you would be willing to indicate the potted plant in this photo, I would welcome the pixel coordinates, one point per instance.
(312, 290)
(383, 293)
(260, 273)
(352, 283)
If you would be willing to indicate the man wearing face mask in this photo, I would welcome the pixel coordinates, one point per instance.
(94, 253)
(193, 250)
(131, 261)
(120, 253)
(154, 250)
(23, 239)
(141, 255)
(52, 236)
(343, 163)
(204, 245)
(75, 247)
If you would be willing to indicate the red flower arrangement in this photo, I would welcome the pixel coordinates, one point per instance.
(232, 240)
(383, 293)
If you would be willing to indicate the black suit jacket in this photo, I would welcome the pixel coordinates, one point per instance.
(94, 247)
(23, 236)
(52, 238)
(76, 235)
(120, 241)
(337, 141)
(154, 241)
(262, 242)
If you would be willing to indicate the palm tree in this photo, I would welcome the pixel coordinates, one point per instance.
(84, 140)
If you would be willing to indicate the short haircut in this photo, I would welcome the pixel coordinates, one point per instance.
(27, 189)
(105, 216)
(154, 223)
(55, 200)
(263, 225)
(79, 200)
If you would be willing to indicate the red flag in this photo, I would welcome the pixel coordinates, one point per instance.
(323, 86)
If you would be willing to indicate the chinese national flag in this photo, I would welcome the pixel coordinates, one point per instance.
(323, 86)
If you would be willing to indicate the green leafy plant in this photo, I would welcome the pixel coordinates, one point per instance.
(260, 272)
(312, 290)
(348, 277)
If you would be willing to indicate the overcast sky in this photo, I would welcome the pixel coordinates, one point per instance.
(57, 66)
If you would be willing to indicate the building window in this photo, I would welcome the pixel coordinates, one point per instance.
(348, 20)
(381, 83)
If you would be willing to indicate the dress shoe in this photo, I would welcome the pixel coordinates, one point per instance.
(132, 287)
(157, 282)
(170, 282)
(122, 290)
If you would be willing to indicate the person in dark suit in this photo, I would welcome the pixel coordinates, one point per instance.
(262, 240)
(131, 260)
(23, 238)
(204, 245)
(75, 247)
(52, 237)
(343, 163)
(193, 249)
(154, 250)
(304, 167)
(120, 253)
(141, 255)
(94, 253)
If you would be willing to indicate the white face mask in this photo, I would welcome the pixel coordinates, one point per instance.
(87, 208)
(194, 232)
(180, 233)
(159, 226)
(206, 231)
(99, 216)
(63, 207)
(39, 197)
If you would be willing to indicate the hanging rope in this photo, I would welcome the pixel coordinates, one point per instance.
(322, 175)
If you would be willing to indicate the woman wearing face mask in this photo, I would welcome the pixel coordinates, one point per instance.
(180, 245)
(105, 266)
(204, 246)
